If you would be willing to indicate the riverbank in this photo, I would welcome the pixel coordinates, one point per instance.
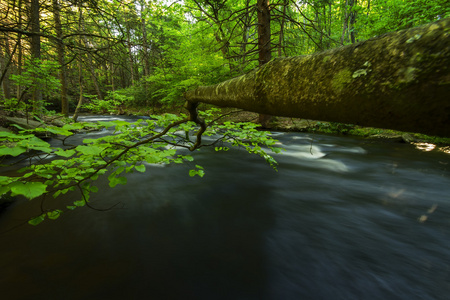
(283, 124)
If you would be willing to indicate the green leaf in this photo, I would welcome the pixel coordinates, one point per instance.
(37, 220)
(89, 150)
(7, 134)
(79, 203)
(29, 189)
(65, 153)
(71, 207)
(4, 190)
(113, 180)
(35, 143)
(74, 126)
(14, 151)
(276, 149)
(119, 170)
(198, 172)
(53, 215)
(188, 158)
(140, 168)
(5, 179)
(58, 130)
(106, 124)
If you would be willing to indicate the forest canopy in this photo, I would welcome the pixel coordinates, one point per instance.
(113, 54)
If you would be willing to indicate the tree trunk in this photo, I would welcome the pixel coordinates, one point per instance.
(88, 45)
(61, 62)
(80, 98)
(399, 81)
(112, 76)
(144, 42)
(20, 50)
(36, 54)
(353, 14)
(80, 72)
(19, 65)
(346, 15)
(264, 47)
(281, 34)
(130, 57)
(4, 72)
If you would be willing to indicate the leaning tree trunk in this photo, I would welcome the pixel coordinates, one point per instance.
(399, 80)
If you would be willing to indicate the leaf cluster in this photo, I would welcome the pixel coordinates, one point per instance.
(55, 171)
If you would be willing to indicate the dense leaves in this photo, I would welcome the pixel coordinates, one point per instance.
(129, 149)
(121, 54)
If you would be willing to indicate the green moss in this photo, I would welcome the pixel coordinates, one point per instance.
(341, 79)
(360, 72)
(326, 58)
(407, 75)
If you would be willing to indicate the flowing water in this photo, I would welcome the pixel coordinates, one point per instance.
(343, 218)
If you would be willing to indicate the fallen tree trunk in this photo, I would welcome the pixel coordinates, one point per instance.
(399, 80)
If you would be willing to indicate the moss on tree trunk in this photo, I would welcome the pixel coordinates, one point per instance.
(399, 80)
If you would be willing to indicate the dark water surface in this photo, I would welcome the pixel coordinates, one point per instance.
(343, 219)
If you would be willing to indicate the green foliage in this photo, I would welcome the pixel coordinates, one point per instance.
(16, 144)
(198, 171)
(13, 105)
(129, 149)
(38, 73)
(111, 104)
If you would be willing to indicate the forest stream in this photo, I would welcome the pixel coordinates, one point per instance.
(343, 218)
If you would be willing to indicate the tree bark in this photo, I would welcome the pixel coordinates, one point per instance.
(399, 81)
(353, 21)
(346, 16)
(264, 47)
(90, 60)
(61, 61)
(4, 72)
(281, 34)
(36, 53)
